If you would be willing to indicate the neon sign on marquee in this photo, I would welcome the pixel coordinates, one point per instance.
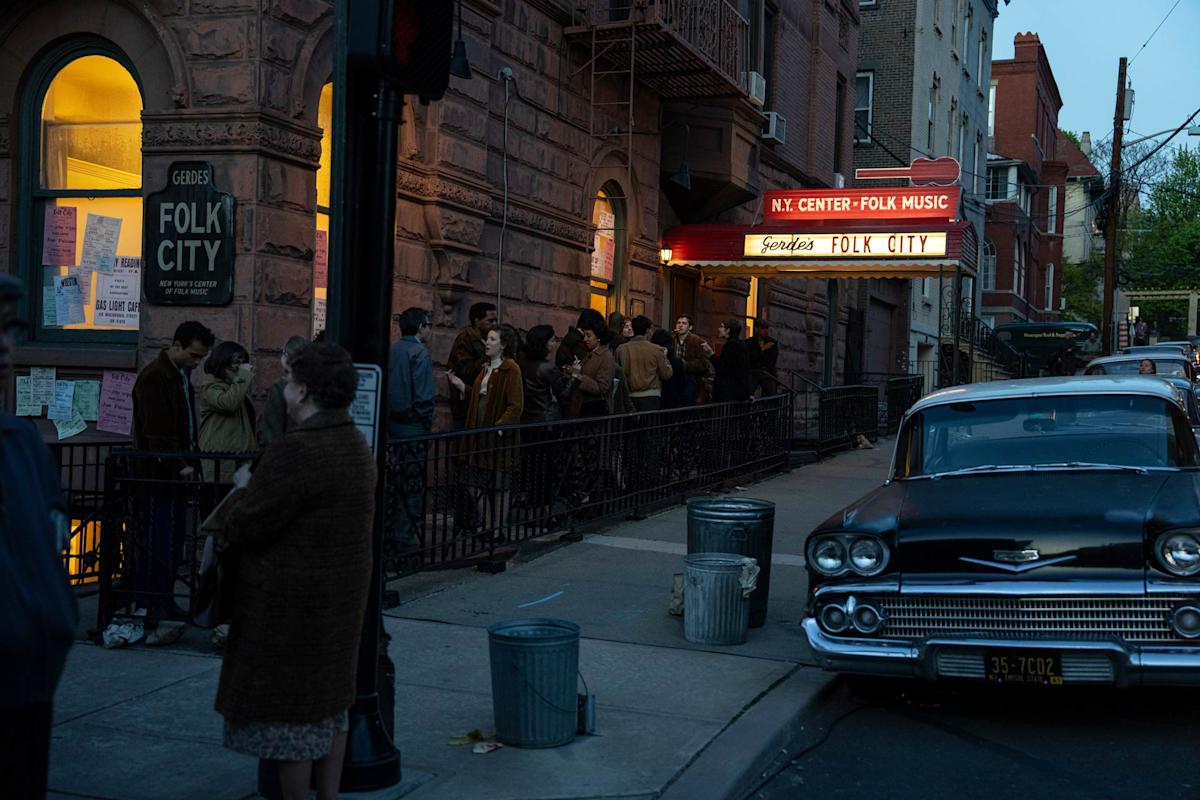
(845, 245)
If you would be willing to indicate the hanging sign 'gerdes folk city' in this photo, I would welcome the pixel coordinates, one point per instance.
(924, 244)
(189, 238)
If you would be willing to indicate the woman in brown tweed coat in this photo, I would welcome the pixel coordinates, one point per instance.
(303, 521)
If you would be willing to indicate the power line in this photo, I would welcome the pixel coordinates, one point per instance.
(1164, 20)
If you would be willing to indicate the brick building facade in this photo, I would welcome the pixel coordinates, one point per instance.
(923, 73)
(1026, 190)
(507, 186)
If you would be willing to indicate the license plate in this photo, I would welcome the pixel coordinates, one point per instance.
(1027, 667)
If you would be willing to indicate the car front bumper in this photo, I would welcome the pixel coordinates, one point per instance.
(1084, 662)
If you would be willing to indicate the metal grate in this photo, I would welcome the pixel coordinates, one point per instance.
(1134, 619)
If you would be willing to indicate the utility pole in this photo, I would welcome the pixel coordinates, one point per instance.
(1113, 216)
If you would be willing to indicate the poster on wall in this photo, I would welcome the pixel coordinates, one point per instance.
(188, 230)
(604, 248)
(58, 237)
(100, 237)
(116, 403)
(118, 304)
(321, 261)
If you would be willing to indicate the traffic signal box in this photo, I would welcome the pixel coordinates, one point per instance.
(414, 45)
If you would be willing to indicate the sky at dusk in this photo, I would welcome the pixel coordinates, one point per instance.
(1084, 39)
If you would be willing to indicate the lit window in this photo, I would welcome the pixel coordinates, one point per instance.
(864, 87)
(608, 219)
(321, 252)
(752, 307)
(86, 209)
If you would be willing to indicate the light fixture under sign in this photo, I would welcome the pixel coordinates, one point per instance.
(664, 255)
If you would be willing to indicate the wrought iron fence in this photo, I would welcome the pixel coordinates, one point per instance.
(897, 393)
(151, 544)
(81, 467)
(467, 495)
(830, 418)
(451, 498)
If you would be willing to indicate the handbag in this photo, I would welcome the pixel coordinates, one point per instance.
(213, 597)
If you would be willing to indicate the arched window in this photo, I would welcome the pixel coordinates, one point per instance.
(82, 203)
(608, 248)
(321, 253)
(988, 268)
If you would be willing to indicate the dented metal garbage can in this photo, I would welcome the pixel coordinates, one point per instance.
(716, 603)
(736, 525)
(534, 667)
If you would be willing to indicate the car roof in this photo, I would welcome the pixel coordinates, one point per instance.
(1158, 356)
(1040, 387)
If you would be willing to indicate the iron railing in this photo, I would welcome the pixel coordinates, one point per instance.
(451, 498)
(81, 467)
(897, 393)
(830, 418)
(470, 495)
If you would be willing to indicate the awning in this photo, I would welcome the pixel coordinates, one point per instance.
(828, 249)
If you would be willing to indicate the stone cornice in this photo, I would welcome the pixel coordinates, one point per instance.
(194, 133)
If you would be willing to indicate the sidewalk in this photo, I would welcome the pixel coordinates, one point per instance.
(674, 720)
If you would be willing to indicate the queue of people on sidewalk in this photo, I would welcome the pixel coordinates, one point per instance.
(596, 368)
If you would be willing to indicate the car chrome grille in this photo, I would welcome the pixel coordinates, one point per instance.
(1134, 619)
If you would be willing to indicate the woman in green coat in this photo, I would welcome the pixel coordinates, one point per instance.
(226, 414)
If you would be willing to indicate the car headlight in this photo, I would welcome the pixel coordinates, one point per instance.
(828, 557)
(867, 556)
(1179, 552)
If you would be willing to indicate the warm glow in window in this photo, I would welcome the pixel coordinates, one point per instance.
(751, 307)
(89, 247)
(321, 252)
(604, 254)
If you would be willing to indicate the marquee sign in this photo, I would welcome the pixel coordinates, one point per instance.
(924, 244)
(912, 202)
(189, 239)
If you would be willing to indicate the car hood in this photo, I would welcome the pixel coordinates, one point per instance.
(1037, 526)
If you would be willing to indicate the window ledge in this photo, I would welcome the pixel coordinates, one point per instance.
(42, 355)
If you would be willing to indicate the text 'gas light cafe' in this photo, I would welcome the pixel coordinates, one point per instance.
(886, 233)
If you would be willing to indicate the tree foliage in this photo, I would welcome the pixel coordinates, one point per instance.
(1162, 249)
(1081, 287)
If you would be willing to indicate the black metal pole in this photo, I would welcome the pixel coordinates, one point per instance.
(364, 226)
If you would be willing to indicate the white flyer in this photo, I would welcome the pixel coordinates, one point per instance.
(68, 300)
(118, 298)
(63, 406)
(100, 238)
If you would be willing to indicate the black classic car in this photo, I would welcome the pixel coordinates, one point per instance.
(1040, 531)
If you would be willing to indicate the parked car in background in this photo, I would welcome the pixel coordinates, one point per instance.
(1188, 394)
(1188, 348)
(1042, 531)
(1165, 364)
(1052, 348)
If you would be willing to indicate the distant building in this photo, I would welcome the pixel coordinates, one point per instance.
(1026, 189)
(1085, 185)
(924, 69)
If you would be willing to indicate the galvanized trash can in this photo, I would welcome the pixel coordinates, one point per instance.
(534, 664)
(734, 525)
(716, 604)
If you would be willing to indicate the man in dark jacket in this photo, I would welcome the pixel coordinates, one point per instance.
(164, 419)
(410, 414)
(694, 352)
(467, 358)
(39, 615)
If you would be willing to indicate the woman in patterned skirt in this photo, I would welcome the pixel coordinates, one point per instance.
(303, 522)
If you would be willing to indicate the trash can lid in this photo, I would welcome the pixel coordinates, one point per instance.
(732, 507)
(540, 629)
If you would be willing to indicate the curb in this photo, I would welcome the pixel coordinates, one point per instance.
(733, 762)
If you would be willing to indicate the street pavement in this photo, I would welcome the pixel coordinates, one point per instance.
(674, 720)
(904, 740)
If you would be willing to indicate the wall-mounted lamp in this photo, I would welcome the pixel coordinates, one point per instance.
(460, 65)
(664, 255)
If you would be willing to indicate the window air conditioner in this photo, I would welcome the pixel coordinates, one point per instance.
(839, 180)
(756, 87)
(776, 128)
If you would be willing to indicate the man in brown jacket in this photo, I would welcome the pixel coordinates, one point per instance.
(164, 419)
(467, 358)
(646, 366)
(694, 352)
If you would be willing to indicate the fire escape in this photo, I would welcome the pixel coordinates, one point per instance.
(695, 55)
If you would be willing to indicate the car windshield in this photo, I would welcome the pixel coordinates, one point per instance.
(1060, 432)
(1162, 366)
